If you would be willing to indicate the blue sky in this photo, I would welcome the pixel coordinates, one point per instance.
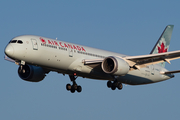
(128, 27)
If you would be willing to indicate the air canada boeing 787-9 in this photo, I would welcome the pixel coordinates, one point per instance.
(37, 56)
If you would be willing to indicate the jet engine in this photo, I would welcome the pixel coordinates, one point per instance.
(31, 73)
(115, 66)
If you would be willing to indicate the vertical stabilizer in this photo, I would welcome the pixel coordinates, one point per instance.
(163, 42)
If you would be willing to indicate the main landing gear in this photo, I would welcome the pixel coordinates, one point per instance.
(74, 87)
(114, 85)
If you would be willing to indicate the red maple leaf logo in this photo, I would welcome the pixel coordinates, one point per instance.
(162, 49)
(42, 40)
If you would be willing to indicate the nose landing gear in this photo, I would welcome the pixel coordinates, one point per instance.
(74, 87)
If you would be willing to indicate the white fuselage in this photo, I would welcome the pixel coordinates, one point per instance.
(67, 58)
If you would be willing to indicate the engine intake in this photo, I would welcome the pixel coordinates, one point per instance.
(115, 66)
(31, 73)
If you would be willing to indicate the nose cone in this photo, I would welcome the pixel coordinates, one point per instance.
(9, 51)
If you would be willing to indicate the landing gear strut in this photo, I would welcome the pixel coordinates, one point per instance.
(74, 87)
(114, 85)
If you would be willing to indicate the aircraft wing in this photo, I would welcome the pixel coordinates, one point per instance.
(137, 62)
(144, 60)
(170, 72)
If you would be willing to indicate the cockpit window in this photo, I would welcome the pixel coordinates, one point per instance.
(16, 41)
(13, 41)
(19, 41)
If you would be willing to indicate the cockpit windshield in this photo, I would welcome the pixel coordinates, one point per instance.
(16, 41)
(19, 41)
(13, 41)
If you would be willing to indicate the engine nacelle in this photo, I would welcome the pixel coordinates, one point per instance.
(31, 73)
(115, 66)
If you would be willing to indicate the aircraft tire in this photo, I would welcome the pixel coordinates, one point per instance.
(72, 89)
(68, 87)
(109, 84)
(79, 88)
(113, 87)
(120, 86)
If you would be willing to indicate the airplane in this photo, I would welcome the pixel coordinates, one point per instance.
(37, 56)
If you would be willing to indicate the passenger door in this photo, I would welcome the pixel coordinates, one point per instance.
(34, 44)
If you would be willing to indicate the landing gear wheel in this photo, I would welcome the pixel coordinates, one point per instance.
(68, 87)
(109, 84)
(115, 84)
(113, 87)
(120, 86)
(79, 88)
(72, 89)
